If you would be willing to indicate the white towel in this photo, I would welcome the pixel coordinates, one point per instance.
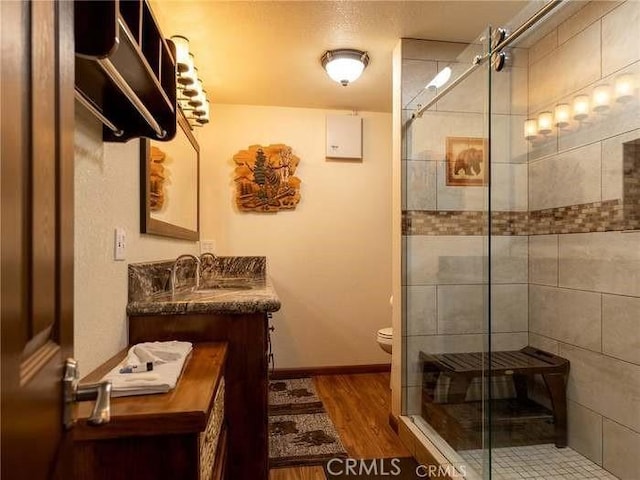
(168, 359)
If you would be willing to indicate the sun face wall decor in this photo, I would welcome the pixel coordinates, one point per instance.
(265, 180)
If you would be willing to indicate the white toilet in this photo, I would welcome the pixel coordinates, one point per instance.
(385, 339)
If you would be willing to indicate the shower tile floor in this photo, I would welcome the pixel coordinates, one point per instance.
(537, 462)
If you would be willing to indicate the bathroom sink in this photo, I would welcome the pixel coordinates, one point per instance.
(225, 286)
(229, 283)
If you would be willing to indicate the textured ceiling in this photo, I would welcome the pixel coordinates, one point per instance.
(268, 53)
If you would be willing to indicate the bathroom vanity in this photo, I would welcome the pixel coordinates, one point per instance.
(232, 306)
(179, 434)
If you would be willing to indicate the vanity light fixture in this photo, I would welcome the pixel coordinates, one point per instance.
(199, 97)
(182, 52)
(545, 123)
(440, 79)
(191, 95)
(624, 88)
(191, 89)
(344, 65)
(203, 117)
(530, 129)
(581, 107)
(601, 98)
(562, 115)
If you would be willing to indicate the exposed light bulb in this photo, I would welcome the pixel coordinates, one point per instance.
(545, 123)
(581, 107)
(562, 115)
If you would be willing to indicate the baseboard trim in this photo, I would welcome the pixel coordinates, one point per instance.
(393, 422)
(282, 373)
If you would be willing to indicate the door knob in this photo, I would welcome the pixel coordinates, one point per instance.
(100, 392)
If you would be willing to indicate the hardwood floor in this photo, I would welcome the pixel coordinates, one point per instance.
(359, 407)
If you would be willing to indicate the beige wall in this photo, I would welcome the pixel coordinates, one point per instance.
(330, 259)
(107, 195)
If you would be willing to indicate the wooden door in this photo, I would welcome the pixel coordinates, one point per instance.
(36, 187)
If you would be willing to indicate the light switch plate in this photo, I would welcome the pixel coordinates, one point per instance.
(207, 246)
(120, 244)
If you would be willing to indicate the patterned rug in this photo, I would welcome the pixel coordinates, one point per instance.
(300, 432)
(296, 395)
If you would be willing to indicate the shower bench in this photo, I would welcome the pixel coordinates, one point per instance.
(454, 417)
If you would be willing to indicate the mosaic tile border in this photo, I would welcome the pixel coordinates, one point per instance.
(611, 215)
(607, 216)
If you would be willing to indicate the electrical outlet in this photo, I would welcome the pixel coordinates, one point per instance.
(208, 246)
(120, 244)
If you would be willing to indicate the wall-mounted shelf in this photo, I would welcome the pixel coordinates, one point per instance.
(125, 70)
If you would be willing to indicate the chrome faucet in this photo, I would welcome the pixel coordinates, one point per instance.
(206, 266)
(209, 255)
(175, 268)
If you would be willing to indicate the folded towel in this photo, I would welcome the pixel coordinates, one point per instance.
(168, 359)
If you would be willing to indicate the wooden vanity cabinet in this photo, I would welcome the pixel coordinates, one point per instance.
(181, 434)
(246, 377)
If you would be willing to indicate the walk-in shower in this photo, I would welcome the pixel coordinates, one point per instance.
(520, 245)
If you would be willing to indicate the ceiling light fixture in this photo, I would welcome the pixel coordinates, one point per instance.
(440, 79)
(344, 65)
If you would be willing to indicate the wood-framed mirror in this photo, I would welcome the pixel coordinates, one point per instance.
(170, 185)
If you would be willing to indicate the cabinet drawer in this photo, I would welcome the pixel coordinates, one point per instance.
(210, 436)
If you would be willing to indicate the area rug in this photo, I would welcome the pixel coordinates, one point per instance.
(405, 468)
(302, 439)
(296, 395)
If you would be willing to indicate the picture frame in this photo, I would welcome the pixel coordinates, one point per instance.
(467, 161)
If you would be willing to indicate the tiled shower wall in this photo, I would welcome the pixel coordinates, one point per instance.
(445, 278)
(584, 292)
(566, 275)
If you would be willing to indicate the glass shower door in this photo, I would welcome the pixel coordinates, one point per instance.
(445, 250)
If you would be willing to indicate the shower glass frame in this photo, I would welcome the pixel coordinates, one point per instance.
(471, 111)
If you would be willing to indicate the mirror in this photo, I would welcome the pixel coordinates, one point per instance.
(170, 179)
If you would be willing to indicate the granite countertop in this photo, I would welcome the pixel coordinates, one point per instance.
(225, 291)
